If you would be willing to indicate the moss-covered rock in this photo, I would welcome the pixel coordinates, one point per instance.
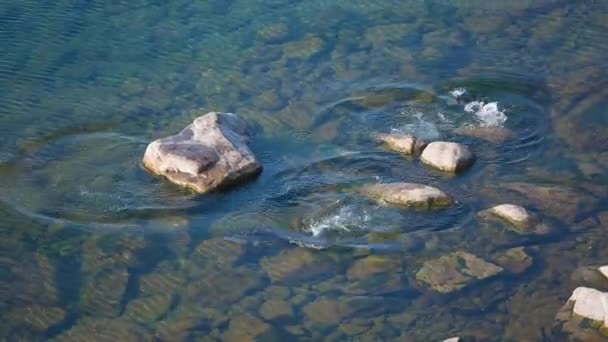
(297, 264)
(515, 260)
(102, 292)
(148, 309)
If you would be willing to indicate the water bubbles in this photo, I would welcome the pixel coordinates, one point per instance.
(458, 92)
(487, 114)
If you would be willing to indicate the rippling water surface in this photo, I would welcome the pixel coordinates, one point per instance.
(94, 246)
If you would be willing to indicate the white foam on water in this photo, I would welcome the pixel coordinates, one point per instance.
(487, 114)
(458, 92)
(345, 219)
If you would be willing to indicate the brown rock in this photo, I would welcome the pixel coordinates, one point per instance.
(276, 309)
(210, 153)
(515, 260)
(493, 134)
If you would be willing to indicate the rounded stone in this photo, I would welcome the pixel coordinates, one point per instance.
(447, 156)
(402, 143)
(408, 194)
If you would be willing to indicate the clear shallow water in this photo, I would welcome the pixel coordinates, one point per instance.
(90, 240)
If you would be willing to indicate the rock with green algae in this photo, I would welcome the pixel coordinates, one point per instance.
(277, 310)
(515, 260)
(297, 264)
(247, 327)
(28, 279)
(455, 271)
(274, 33)
(269, 100)
(371, 265)
(326, 311)
(218, 252)
(166, 278)
(33, 317)
(110, 249)
(304, 48)
(148, 309)
(224, 287)
(104, 329)
(181, 323)
(102, 292)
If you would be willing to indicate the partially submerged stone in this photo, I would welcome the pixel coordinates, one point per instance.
(402, 143)
(603, 270)
(210, 153)
(521, 220)
(591, 304)
(493, 134)
(453, 339)
(407, 194)
(455, 271)
(447, 156)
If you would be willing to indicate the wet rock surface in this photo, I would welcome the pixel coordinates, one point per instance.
(408, 195)
(519, 219)
(210, 153)
(402, 143)
(455, 271)
(447, 156)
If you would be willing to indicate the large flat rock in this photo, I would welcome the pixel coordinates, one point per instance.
(447, 156)
(210, 153)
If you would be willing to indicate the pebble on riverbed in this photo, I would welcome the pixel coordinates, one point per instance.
(402, 143)
(447, 156)
(408, 194)
(210, 153)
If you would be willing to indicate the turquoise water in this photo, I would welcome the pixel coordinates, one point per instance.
(94, 246)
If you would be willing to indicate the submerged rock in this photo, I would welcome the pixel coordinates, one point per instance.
(210, 153)
(296, 264)
(103, 329)
(521, 220)
(447, 156)
(454, 271)
(403, 143)
(493, 134)
(515, 260)
(276, 310)
(408, 194)
(246, 327)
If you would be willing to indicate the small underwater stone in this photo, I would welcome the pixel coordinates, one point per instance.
(210, 153)
(447, 156)
(515, 260)
(368, 266)
(225, 287)
(274, 33)
(454, 271)
(296, 264)
(166, 278)
(324, 311)
(355, 327)
(408, 194)
(403, 143)
(304, 48)
(218, 252)
(246, 327)
(276, 310)
(589, 276)
(186, 318)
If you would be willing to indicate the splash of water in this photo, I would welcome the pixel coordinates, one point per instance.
(487, 114)
(346, 219)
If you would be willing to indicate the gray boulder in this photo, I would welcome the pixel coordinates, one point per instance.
(210, 153)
